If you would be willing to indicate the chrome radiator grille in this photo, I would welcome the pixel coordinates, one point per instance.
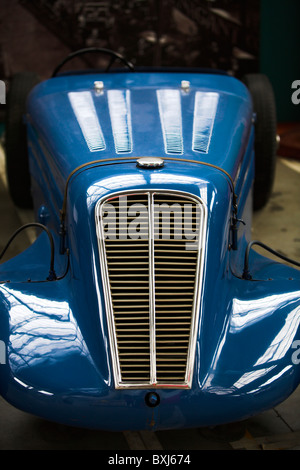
(151, 251)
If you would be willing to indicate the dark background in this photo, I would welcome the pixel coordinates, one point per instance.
(232, 35)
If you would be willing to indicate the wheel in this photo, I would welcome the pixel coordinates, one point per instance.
(265, 137)
(17, 166)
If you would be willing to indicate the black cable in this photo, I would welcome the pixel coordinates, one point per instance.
(59, 278)
(52, 274)
(246, 272)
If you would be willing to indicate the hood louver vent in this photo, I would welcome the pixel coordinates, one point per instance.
(152, 262)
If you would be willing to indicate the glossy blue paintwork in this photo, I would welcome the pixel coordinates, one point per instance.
(67, 148)
(58, 363)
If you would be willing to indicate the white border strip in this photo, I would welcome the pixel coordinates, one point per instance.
(120, 115)
(204, 116)
(86, 115)
(169, 105)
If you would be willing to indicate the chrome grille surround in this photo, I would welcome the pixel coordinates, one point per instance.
(152, 332)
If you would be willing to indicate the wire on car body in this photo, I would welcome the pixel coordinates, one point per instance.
(106, 161)
(52, 274)
(246, 272)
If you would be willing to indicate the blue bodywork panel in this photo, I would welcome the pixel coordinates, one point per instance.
(58, 361)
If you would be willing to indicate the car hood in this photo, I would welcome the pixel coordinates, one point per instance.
(206, 117)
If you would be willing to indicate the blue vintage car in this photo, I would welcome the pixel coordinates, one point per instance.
(143, 303)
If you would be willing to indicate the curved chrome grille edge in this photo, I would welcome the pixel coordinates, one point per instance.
(151, 360)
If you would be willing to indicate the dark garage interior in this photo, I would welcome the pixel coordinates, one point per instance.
(236, 37)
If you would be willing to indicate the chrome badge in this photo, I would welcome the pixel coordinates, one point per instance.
(150, 162)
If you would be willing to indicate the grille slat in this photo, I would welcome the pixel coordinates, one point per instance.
(152, 285)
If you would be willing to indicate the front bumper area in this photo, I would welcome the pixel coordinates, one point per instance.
(57, 362)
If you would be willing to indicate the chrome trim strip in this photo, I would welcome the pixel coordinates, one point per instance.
(107, 298)
(152, 291)
(197, 298)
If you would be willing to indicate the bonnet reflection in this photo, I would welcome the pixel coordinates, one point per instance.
(41, 330)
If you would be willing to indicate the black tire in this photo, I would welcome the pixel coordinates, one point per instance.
(265, 137)
(17, 166)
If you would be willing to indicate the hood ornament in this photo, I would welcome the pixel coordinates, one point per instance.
(150, 162)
